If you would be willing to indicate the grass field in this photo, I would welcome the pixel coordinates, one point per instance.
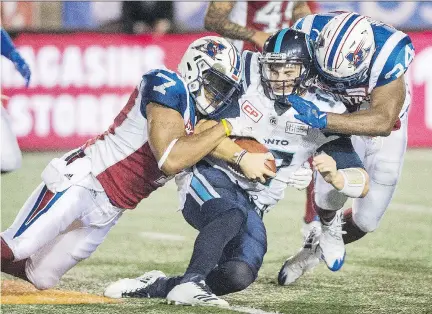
(389, 271)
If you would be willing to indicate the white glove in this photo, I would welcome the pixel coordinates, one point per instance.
(301, 178)
(240, 128)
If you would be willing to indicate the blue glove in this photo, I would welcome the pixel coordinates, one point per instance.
(21, 66)
(9, 51)
(308, 112)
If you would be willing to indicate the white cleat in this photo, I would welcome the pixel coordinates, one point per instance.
(307, 228)
(306, 259)
(133, 288)
(331, 243)
(193, 293)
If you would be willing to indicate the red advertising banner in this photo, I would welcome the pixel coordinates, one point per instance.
(81, 81)
(420, 76)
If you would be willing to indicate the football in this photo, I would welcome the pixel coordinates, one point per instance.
(253, 146)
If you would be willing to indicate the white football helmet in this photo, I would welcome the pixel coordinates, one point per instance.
(212, 69)
(344, 50)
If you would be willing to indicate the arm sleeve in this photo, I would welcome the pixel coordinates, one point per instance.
(7, 45)
(342, 151)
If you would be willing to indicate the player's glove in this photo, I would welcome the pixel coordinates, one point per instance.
(301, 178)
(240, 128)
(21, 66)
(308, 112)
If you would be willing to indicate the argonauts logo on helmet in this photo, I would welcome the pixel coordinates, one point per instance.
(211, 48)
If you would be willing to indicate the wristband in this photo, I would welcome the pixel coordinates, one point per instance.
(225, 125)
(240, 156)
(354, 182)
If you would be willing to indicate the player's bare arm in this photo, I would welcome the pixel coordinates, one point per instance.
(170, 143)
(301, 9)
(386, 103)
(252, 164)
(353, 182)
(217, 20)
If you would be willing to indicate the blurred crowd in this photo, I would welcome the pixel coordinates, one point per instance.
(161, 17)
(133, 17)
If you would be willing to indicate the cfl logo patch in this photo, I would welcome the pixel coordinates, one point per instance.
(251, 111)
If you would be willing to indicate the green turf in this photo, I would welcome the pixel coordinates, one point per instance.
(389, 271)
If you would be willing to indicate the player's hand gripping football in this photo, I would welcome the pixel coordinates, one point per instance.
(255, 166)
(326, 166)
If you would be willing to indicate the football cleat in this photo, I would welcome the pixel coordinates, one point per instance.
(194, 293)
(306, 259)
(307, 227)
(332, 244)
(133, 288)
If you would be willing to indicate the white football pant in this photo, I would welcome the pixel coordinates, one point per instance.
(57, 230)
(383, 160)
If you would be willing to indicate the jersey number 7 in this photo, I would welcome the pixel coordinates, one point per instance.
(161, 88)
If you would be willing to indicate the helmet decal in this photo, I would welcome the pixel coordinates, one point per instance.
(357, 56)
(212, 69)
(211, 48)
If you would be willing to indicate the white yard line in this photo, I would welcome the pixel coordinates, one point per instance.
(162, 236)
(250, 310)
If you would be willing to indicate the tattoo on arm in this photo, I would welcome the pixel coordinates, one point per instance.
(217, 20)
(301, 9)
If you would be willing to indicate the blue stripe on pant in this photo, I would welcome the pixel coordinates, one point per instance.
(200, 190)
(250, 245)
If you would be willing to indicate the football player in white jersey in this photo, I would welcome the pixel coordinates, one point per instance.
(84, 193)
(227, 208)
(11, 157)
(362, 63)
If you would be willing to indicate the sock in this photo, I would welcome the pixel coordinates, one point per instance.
(10, 267)
(16, 269)
(210, 243)
(326, 216)
(6, 253)
(162, 286)
(353, 233)
(310, 212)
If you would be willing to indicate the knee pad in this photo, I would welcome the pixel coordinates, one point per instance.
(240, 275)
(231, 276)
(386, 172)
